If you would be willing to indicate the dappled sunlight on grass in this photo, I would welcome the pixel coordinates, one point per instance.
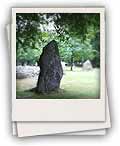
(76, 84)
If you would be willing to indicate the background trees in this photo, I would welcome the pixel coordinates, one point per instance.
(78, 36)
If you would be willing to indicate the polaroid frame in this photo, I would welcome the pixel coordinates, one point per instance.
(59, 109)
(15, 130)
(44, 128)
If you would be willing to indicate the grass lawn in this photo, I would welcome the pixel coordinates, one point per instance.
(76, 84)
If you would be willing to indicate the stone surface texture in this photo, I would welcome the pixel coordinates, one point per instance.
(51, 71)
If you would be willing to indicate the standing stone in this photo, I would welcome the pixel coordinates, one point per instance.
(87, 65)
(51, 71)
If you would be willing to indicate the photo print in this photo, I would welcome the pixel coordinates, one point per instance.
(57, 55)
(58, 64)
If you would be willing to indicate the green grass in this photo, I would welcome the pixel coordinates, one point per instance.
(77, 84)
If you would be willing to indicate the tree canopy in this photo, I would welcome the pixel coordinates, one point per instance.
(77, 34)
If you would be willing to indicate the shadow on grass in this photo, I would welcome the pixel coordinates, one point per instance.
(32, 94)
(59, 94)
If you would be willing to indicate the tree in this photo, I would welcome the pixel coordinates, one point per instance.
(78, 36)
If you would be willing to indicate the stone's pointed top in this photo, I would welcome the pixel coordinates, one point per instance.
(51, 47)
(53, 43)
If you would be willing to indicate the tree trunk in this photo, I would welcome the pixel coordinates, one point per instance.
(71, 67)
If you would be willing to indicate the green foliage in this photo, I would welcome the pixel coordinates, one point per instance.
(78, 36)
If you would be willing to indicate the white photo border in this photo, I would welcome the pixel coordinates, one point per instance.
(59, 109)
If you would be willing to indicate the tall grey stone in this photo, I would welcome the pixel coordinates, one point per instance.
(51, 71)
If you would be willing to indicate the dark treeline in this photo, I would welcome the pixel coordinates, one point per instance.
(77, 35)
